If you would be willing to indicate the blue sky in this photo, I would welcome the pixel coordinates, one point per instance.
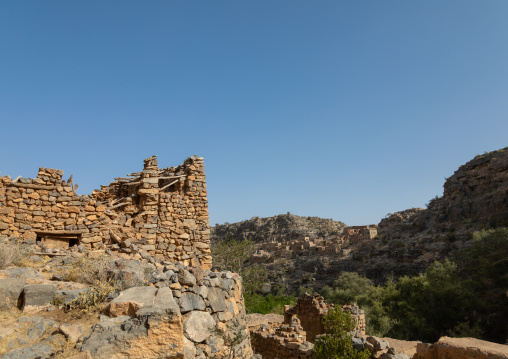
(340, 109)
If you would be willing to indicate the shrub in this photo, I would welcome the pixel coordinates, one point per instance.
(93, 298)
(257, 303)
(12, 252)
(337, 344)
(89, 271)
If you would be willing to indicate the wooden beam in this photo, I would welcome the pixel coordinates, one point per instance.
(171, 177)
(115, 237)
(166, 186)
(32, 186)
(50, 254)
(63, 232)
(118, 205)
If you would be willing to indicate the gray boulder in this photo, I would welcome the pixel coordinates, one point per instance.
(191, 301)
(10, 292)
(217, 299)
(37, 351)
(37, 296)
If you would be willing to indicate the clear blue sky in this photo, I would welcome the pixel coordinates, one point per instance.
(340, 109)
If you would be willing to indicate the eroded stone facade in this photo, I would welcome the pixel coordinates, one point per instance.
(162, 213)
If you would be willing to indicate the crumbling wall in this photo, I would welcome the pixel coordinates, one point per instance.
(302, 324)
(156, 213)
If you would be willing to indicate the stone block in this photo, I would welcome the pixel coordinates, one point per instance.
(131, 300)
(37, 297)
(190, 301)
(198, 326)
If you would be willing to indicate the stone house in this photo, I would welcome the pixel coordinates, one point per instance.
(160, 212)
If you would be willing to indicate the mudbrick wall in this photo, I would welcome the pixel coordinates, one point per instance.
(156, 213)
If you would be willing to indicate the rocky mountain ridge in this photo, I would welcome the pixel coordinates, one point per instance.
(278, 228)
(475, 197)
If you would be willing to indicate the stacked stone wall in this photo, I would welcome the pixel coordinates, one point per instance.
(302, 324)
(201, 312)
(156, 213)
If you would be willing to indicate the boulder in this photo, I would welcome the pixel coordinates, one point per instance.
(37, 297)
(36, 331)
(71, 331)
(198, 326)
(461, 348)
(154, 332)
(129, 270)
(10, 292)
(39, 350)
(68, 295)
(186, 278)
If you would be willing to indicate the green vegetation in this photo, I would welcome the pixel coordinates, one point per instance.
(466, 297)
(337, 342)
(234, 256)
(265, 304)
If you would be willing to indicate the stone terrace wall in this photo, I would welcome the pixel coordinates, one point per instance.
(161, 213)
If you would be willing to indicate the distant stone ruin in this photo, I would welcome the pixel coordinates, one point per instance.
(317, 246)
(156, 213)
(294, 337)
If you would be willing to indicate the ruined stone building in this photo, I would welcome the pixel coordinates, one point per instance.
(356, 234)
(162, 213)
(302, 324)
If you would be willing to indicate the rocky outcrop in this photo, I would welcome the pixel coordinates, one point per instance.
(184, 315)
(461, 348)
(280, 228)
(476, 195)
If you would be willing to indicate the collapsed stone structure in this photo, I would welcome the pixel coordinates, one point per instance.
(302, 324)
(316, 246)
(162, 213)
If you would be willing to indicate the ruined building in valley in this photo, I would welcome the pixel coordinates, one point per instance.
(160, 212)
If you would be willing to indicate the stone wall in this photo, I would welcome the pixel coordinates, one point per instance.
(302, 324)
(160, 213)
(192, 314)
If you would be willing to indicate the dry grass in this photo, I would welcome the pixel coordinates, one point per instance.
(13, 252)
(89, 271)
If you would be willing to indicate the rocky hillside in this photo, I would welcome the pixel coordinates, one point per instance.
(282, 227)
(475, 197)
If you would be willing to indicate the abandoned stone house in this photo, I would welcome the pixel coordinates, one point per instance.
(355, 234)
(162, 212)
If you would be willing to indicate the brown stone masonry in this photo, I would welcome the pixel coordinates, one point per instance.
(159, 212)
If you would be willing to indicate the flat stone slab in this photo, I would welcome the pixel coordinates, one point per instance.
(217, 299)
(131, 300)
(40, 351)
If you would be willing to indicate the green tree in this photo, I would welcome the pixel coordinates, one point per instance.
(336, 343)
(232, 255)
